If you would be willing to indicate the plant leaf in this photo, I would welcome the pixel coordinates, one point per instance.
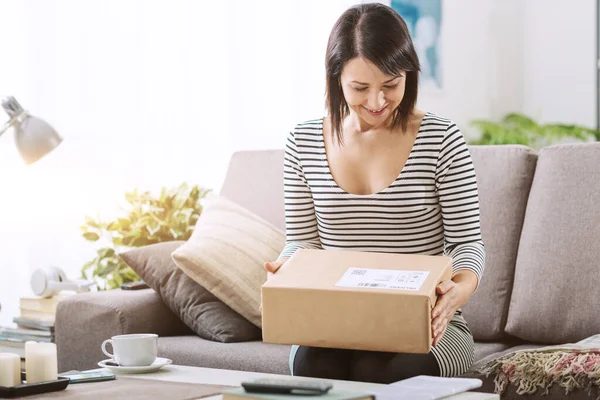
(91, 222)
(124, 223)
(113, 226)
(91, 236)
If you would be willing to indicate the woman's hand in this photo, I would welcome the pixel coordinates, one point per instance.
(453, 294)
(272, 267)
(446, 306)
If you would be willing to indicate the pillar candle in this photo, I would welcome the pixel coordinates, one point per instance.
(10, 369)
(40, 362)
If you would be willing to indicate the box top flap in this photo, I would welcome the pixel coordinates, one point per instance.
(337, 270)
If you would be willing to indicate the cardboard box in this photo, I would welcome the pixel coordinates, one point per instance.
(354, 300)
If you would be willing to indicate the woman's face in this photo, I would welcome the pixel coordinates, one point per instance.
(370, 93)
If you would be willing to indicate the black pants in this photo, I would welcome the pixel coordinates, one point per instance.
(364, 366)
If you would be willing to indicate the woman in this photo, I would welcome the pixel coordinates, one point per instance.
(379, 175)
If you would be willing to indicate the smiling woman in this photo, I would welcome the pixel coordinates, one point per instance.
(376, 70)
(378, 175)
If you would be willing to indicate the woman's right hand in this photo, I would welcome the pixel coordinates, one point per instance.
(272, 267)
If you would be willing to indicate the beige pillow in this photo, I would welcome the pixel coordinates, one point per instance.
(226, 254)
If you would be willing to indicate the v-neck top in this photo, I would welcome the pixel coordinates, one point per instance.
(322, 136)
(431, 208)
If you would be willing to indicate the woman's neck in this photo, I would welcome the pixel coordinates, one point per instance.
(355, 125)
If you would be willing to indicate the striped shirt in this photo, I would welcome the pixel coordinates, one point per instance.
(431, 208)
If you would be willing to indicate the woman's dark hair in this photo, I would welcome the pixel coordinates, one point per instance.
(376, 33)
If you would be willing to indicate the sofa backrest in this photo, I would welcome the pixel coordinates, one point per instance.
(254, 180)
(504, 176)
(557, 279)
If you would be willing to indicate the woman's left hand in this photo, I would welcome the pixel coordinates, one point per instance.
(448, 302)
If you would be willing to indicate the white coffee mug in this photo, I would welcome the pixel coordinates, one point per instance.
(134, 350)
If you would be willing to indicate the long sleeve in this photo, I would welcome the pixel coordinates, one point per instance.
(300, 218)
(456, 185)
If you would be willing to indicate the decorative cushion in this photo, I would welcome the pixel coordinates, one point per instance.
(226, 254)
(208, 317)
(257, 171)
(504, 176)
(557, 279)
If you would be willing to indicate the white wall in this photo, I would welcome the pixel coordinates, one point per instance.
(481, 61)
(277, 61)
(537, 57)
(559, 61)
(153, 93)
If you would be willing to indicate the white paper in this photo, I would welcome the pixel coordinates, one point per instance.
(383, 279)
(426, 388)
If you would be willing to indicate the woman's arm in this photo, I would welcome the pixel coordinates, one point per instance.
(456, 185)
(459, 201)
(300, 218)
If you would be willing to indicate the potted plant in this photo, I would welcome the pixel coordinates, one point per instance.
(517, 128)
(148, 219)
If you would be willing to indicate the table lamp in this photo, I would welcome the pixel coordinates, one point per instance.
(34, 137)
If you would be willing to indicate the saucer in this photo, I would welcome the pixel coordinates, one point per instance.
(155, 366)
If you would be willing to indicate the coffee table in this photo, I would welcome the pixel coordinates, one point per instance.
(211, 376)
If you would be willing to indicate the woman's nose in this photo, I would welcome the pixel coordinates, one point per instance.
(377, 101)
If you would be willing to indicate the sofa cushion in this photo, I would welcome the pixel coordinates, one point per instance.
(201, 311)
(484, 349)
(557, 279)
(248, 356)
(253, 172)
(226, 254)
(504, 175)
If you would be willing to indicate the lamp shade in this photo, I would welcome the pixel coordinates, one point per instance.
(34, 137)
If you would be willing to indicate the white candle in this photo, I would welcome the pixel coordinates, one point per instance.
(10, 369)
(40, 362)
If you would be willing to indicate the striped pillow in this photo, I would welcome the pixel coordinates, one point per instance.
(226, 253)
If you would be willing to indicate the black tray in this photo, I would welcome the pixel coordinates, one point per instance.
(34, 388)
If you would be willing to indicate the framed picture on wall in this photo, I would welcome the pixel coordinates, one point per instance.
(424, 20)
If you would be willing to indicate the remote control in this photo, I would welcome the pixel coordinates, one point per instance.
(286, 386)
(138, 285)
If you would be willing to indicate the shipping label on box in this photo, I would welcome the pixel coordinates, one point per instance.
(383, 279)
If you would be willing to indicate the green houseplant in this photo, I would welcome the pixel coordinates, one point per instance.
(147, 219)
(517, 128)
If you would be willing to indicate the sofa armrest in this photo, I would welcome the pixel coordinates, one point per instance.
(85, 320)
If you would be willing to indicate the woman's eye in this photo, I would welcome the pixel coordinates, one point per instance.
(385, 86)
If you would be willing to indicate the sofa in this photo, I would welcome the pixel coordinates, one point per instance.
(540, 220)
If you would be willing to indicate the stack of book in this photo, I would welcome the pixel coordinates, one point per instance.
(12, 340)
(40, 309)
(35, 323)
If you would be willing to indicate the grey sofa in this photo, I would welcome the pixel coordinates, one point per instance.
(540, 222)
